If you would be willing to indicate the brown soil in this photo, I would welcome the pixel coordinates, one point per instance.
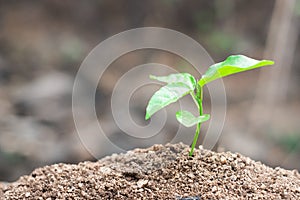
(159, 172)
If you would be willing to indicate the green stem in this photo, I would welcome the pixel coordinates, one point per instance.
(195, 139)
(195, 99)
(199, 96)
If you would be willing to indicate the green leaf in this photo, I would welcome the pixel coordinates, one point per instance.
(232, 65)
(188, 119)
(177, 78)
(165, 96)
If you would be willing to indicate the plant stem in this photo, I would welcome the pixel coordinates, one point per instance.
(199, 96)
(195, 139)
(195, 99)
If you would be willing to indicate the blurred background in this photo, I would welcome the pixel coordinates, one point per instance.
(43, 43)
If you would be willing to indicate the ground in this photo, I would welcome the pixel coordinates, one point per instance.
(159, 172)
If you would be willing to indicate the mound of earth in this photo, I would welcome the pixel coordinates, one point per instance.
(159, 172)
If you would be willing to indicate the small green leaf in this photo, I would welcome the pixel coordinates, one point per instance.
(177, 78)
(232, 65)
(165, 96)
(188, 119)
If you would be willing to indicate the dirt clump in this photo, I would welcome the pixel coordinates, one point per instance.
(159, 172)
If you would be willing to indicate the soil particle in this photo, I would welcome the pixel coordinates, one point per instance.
(159, 172)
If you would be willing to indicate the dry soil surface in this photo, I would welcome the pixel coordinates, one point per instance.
(159, 172)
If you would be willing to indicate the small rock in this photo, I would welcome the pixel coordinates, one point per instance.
(83, 193)
(214, 189)
(105, 170)
(27, 194)
(80, 185)
(191, 175)
(215, 158)
(223, 160)
(142, 183)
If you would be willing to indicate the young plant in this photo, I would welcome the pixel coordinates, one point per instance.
(181, 84)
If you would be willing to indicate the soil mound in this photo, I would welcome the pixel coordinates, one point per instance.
(159, 172)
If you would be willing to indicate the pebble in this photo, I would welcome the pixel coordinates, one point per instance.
(223, 160)
(105, 170)
(214, 189)
(142, 183)
(80, 185)
(27, 194)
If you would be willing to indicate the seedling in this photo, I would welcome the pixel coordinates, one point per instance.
(181, 84)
